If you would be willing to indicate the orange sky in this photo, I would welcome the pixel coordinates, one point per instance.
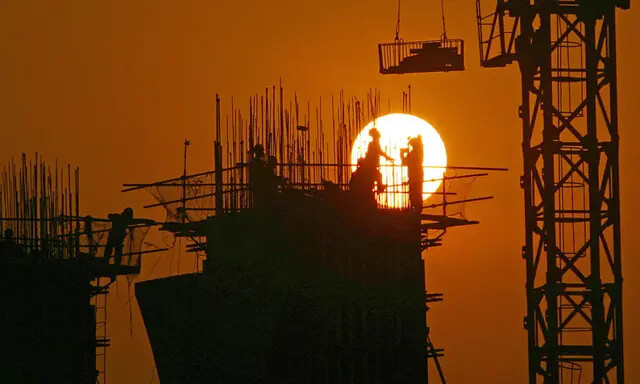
(115, 87)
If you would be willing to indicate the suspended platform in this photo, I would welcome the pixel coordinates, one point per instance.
(402, 57)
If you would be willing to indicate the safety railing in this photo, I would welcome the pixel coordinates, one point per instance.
(421, 56)
(245, 186)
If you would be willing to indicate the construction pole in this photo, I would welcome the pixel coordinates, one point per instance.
(218, 162)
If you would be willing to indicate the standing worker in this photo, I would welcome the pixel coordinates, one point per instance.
(118, 232)
(258, 176)
(372, 158)
(413, 158)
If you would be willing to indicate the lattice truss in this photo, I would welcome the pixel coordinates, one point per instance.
(570, 144)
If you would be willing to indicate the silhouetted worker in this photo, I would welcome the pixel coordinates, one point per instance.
(330, 192)
(8, 247)
(257, 165)
(372, 158)
(361, 183)
(262, 178)
(413, 158)
(276, 180)
(118, 232)
(257, 154)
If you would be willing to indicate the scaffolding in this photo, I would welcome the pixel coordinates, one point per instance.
(310, 167)
(55, 274)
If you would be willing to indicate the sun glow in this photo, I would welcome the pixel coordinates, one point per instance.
(395, 130)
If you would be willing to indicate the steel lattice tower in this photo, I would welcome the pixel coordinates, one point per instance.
(566, 51)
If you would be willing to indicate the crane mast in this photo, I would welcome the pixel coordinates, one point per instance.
(566, 52)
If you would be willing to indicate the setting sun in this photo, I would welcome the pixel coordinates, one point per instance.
(395, 130)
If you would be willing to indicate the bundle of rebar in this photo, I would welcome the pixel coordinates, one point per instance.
(41, 205)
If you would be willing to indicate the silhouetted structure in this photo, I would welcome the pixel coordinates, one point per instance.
(400, 57)
(304, 291)
(53, 301)
(566, 51)
(301, 284)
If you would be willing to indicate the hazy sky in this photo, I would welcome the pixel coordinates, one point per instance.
(116, 86)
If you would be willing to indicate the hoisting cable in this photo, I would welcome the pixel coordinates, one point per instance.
(444, 28)
(398, 24)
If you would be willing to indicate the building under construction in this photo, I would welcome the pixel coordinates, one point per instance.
(54, 277)
(303, 279)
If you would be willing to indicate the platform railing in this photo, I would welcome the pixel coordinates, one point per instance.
(238, 191)
(391, 55)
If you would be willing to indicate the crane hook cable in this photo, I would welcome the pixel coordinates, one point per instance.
(444, 27)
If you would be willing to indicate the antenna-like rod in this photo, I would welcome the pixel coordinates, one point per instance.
(444, 27)
(184, 182)
(398, 23)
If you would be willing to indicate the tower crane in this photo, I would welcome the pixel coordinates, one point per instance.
(566, 52)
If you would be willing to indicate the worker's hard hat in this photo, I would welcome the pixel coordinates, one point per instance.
(128, 211)
(257, 149)
(373, 132)
(416, 140)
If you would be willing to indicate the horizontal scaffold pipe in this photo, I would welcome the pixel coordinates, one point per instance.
(458, 202)
(133, 187)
